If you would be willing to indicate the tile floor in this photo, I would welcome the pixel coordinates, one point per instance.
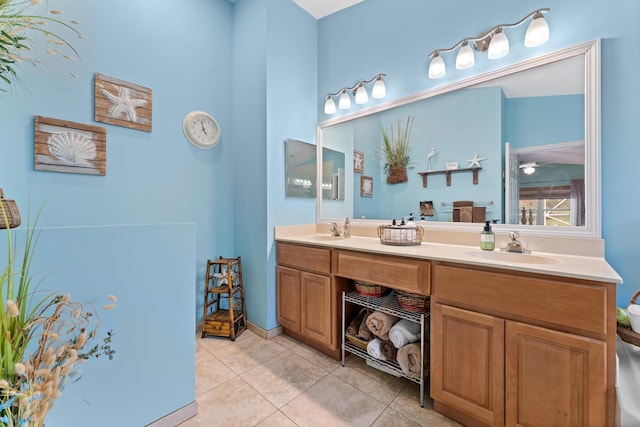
(283, 383)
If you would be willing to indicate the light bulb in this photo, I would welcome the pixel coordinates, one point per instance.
(436, 68)
(344, 103)
(529, 170)
(537, 32)
(499, 45)
(379, 89)
(465, 58)
(329, 106)
(361, 94)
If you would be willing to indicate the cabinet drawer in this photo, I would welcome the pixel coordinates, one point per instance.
(304, 257)
(563, 303)
(407, 274)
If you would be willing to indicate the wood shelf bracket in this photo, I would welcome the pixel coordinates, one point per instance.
(448, 174)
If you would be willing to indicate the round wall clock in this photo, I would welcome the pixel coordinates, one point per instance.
(201, 129)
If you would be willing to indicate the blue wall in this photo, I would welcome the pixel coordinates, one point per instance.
(150, 270)
(109, 232)
(562, 116)
(375, 36)
(274, 99)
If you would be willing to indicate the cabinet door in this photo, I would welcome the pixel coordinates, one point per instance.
(467, 362)
(288, 298)
(316, 307)
(554, 378)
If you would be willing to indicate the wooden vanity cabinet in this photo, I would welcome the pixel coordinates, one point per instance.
(307, 297)
(522, 350)
(406, 274)
(310, 281)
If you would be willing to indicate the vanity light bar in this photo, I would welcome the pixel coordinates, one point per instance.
(494, 42)
(359, 90)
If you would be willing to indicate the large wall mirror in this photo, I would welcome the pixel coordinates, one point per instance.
(301, 171)
(535, 125)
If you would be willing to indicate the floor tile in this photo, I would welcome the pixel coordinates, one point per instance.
(277, 419)
(283, 377)
(247, 353)
(379, 385)
(332, 402)
(319, 359)
(210, 372)
(392, 418)
(285, 341)
(408, 404)
(244, 382)
(234, 403)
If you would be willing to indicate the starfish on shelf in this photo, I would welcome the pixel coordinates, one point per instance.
(475, 162)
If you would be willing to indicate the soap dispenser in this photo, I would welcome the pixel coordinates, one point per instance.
(487, 238)
(347, 228)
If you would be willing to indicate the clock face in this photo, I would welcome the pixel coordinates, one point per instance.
(201, 129)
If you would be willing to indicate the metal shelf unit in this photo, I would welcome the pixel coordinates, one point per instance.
(386, 304)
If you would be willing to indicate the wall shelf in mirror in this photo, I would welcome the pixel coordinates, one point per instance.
(448, 172)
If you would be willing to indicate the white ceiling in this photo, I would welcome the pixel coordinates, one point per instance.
(321, 8)
(564, 77)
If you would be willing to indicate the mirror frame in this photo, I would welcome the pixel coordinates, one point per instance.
(593, 190)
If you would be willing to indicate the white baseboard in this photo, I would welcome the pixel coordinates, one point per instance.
(177, 417)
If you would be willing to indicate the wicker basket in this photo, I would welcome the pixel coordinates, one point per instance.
(400, 235)
(361, 344)
(397, 175)
(370, 289)
(413, 302)
(625, 333)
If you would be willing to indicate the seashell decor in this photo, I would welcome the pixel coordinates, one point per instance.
(69, 147)
(73, 148)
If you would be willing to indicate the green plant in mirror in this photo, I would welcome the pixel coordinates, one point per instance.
(42, 337)
(395, 150)
(22, 28)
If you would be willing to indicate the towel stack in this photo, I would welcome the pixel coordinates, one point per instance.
(410, 359)
(380, 324)
(404, 332)
(392, 339)
(358, 327)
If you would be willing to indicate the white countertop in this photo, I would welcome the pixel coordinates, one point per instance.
(580, 267)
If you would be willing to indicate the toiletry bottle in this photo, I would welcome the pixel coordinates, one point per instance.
(487, 238)
(347, 228)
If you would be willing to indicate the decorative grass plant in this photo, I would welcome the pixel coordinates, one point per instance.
(22, 29)
(395, 151)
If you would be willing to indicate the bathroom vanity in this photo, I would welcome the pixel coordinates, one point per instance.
(513, 340)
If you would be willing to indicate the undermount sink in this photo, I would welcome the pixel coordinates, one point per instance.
(513, 257)
(327, 237)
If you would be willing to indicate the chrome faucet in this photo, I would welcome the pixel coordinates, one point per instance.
(334, 230)
(514, 245)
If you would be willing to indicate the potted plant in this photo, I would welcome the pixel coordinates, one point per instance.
(395, 151)
(21, 30)
(42, 338)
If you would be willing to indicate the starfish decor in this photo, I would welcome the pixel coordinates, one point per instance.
(123, 103)
(475, 162)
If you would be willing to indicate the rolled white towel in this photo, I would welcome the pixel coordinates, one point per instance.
(404, 332)
(374, 348)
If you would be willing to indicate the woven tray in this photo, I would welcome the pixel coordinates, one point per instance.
(361, 344)
(370, 289)
(625, 333)
(400, 235)
(413, 302)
